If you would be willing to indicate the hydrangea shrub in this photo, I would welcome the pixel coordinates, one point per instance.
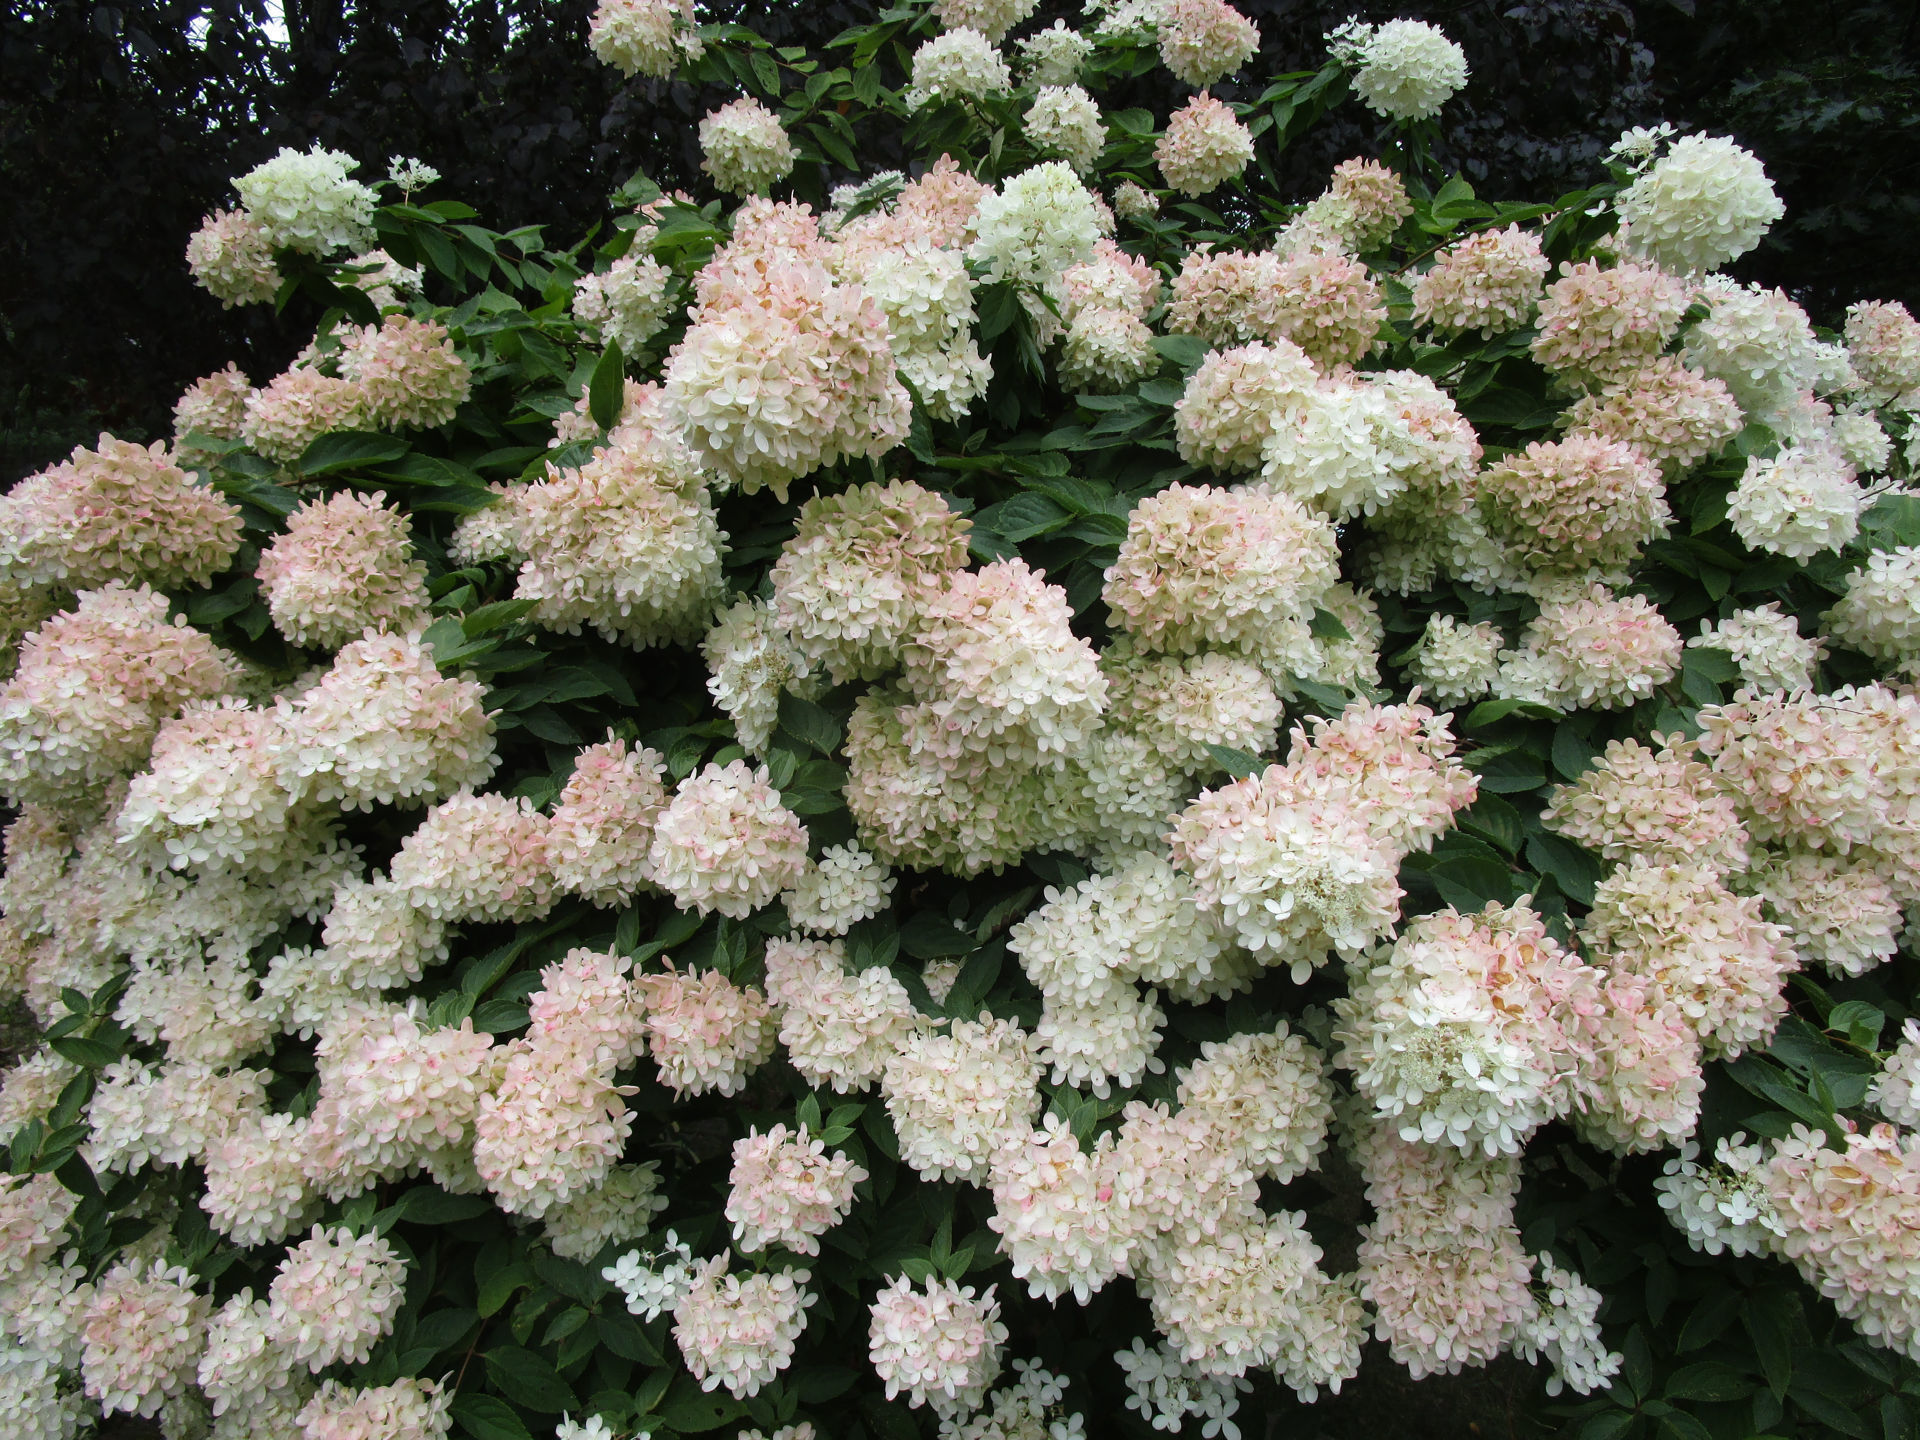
(1025, 794)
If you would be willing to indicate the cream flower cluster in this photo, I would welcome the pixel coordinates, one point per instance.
(645, 37)
(1403, 70)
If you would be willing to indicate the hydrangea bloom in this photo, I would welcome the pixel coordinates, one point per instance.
(1054, 56)
(1490, 282)
(704, 1031)
(1065, 121)
(786, 1190)
(92, 687)
(1883, 342)
(1404, 70)
(1798, 503)
(1660, 805)
(1205, 146)
(846, 886)
(119, 512)
(1599, 325)
(344, 566)
(992, 18)
(854, 581)
(1455, 662)
(383, 725)
(957, 1097)
(627, 544)
(478, 857)
(1205, 566)
(1766, 645)
(746, 148)
(294, 409)
(142, 1332)
(961, 64)
(409, 374)
(1591, 649)
(1703, 203)
(627, 303)
(1666, 411)
(1757, 341)
(1880, 615)
(304, 201)
(1583, 506)
(334, 1295)
(645, 37)
(1037, 224)
(940, 1346)
(404, 1410)
(214, 406)
(1204, 41)
(726, 842)
(740, 1333)
(231, 255)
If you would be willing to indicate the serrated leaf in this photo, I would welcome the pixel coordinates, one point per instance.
(809, 723)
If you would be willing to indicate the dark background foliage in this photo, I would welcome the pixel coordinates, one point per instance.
(121, 125)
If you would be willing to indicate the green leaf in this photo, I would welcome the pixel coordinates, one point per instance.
(607, 392)
(930, 936)
(488, 618)
(528, 1379)
(1708, 1380)
(1679, 1425)
(1185, 351)
(430, 1205)
(1769, 1318)
(349, 449)
(1860, 1022)
(821, 1383)
(1572, 868)
(692, 1411)
(82, 1051)
(1829, 1412)
(1607, 1425)
(488, 1417)
(1237, 763)
(1572, 752)
(808, 722)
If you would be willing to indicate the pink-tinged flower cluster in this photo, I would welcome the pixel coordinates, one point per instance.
(405, 1410)
(344, 566)
(745, 147)
(1664, 410)
(782, 376)
(853, 583)
(627, 544)
(1598, 325)
(1204, 147)
(601, 831)
(992, 18)
(296, 408)
(409, 374)
(1491, 282)
(1841, 913)
(1883, 343)
(121, 512)
(740, 1333)
(955, 1098)
(1467, 1031)
(1441, 1263)
(257, 1187)
(478, 857)
(1590, 649)
(726, 842)
(1581, 507)
(141, 1336)
(1204, 41)
(1880, 613)
(334, 1295)
(211, 792)
(1661, 805)
(1059, 1222)
(838, 1029)
(1237, 398)
(232, 258)
(996, 667)
(394, 1095)
(645, 37)
(627, 303)
(1262, 1098)
(705, 1032)
(383, 725)
(1703, 948)
(214, 406)
(1801, 767)
(92, 688)
(551, 1128)
(940, 1347)
(786, 1190)
(1202, 566)
(1848, 1219)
